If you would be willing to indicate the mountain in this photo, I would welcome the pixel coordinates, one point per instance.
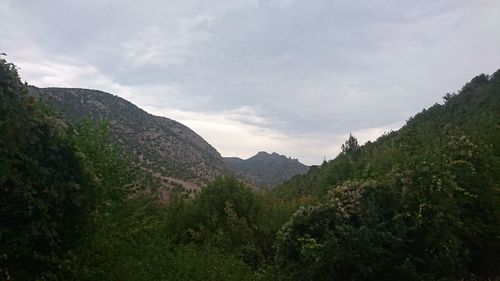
(472, 114)
(172, 153)
(266, 170)
(420, 203)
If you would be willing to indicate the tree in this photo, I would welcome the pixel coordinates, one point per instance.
(351, 145)
(44, 188)
(345, 237)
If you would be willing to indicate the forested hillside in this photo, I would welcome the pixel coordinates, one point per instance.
(266, 170)
(421, 203)
(473, 113)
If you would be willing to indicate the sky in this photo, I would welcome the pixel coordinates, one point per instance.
(285, 76)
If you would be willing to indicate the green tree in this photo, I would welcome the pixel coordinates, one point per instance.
(224, 214)
(43, 185)
(345, 237)
(351, 145)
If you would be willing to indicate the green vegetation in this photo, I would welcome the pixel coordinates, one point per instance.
(422, 203)
(73, 208)
(45, 190)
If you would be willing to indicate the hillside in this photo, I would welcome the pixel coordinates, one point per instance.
(266, 170)
(420, 203)
(473, 112)
(174, 154)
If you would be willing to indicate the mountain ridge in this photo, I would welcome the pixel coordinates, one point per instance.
(171, 152)
(266, 169)
(465, 112)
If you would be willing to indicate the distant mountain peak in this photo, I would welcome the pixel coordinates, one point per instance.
(266, 170)
(268, 155)
(260, 155)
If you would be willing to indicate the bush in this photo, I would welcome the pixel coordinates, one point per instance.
(45, 191)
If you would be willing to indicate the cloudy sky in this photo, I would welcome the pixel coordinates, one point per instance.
(294, 77)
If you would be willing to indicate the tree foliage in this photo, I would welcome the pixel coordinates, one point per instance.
(429, 196)
(43, 185)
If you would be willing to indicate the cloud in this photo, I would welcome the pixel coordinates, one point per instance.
(290, 76)
(232, 131)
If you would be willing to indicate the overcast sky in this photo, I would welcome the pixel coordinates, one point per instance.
(293, 77)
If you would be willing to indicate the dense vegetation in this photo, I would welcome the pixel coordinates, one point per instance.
(73, 208)
(421, 203)
(45, 189)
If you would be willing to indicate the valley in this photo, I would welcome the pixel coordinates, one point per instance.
(94, 188)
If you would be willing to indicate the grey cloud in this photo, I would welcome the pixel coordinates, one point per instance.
(306, 67)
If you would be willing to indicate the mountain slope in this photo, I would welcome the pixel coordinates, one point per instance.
(474, 112)
(266, 170)
(170, 151)
(420, 203)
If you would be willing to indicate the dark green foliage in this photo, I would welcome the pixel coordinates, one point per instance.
(130, 243)
(43, 185)
(225, 214)
(71, 209)
(58, 184)
(350, 146)
(348, 236)
(111, 169)
(429, 195)
(142, 239)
